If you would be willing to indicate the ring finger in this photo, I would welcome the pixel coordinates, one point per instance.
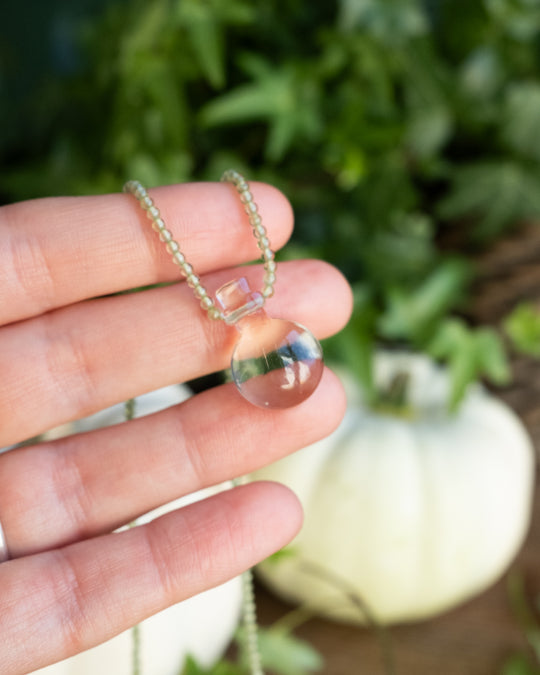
(95, 482)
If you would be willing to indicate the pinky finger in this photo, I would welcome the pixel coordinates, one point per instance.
(56, 604)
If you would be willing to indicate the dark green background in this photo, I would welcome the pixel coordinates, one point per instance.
(404, 132)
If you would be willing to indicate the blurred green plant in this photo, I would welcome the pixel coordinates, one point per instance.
(388, 123)
(522, 326)
(527, 661)
(282, 653)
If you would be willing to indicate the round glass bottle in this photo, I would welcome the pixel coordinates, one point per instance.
(275, 363)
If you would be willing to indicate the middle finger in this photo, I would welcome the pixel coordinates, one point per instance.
(80, 359)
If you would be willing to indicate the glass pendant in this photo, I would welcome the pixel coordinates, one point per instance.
(275, 363)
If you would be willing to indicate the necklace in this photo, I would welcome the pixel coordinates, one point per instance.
(275, 363)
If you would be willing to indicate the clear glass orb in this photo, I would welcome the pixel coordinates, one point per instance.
(275, 363)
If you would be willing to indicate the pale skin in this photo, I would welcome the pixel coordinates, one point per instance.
(70, 583)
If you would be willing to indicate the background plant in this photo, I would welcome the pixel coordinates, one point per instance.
(388, 123)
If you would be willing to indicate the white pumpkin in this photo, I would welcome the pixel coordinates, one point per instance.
(412, 514)
(201, 626)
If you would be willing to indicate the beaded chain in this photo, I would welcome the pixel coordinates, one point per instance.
(259, 232)
(207, 303)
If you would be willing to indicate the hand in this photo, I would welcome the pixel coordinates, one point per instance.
(70, 583)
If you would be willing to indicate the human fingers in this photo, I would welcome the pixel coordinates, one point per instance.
(61, 250)
(210, 438)
(58, 603)
(80, 359)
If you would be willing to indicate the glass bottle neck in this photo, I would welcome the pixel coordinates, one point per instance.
(239, 302)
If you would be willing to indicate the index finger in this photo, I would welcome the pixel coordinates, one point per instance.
(61, 250)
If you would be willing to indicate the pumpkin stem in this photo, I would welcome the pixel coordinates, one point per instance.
(396, 393)
(393, 399)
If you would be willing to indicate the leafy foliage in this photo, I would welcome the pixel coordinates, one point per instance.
(495, 192)
(191, 667)
(526, 662)
(519, 664)
(468, 352)
(388, 123)
(285, 654)
(281, 653)
(523, 328)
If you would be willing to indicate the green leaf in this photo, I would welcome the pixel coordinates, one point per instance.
(470, 354)
(142, 34)
(453, 343)
(492, 359)
(171, 168)
(519, 664)
(191, 667)
(482, 72)
(522, 326)
(283, 554)
(519, 19)
(389, 20)
(412, 314)
(492, 194)
(206, 35)
(283, 97)
(524, 612)
(285, 654)
(355, 345)
(428, 129)
(521, 113)
(273, 97)
(400, 253)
